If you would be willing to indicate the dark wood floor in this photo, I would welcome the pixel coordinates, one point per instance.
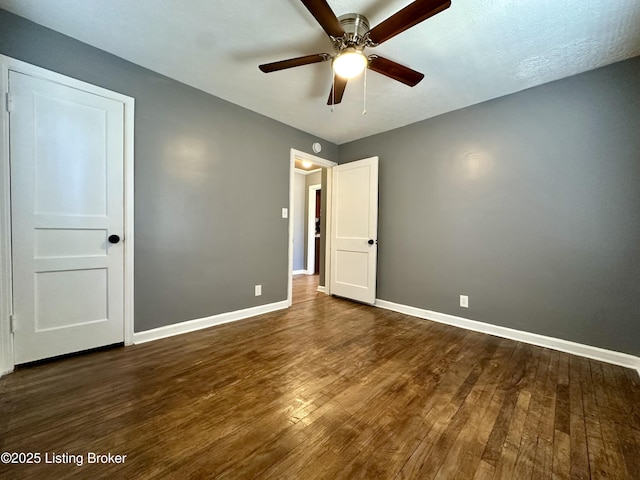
(326, 389)
(305, 288)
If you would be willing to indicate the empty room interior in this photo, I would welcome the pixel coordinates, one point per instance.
(320, 239)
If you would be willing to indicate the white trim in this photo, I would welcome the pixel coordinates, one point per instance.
(206, 322)
(10, 64)
(292, 169)
(302, 272)
(6, 338)
(293, 154)
(129, 136)
(307, 172)
(588, 351)
(321, 289)
(311, 229)
(300, 155)
(327, 233)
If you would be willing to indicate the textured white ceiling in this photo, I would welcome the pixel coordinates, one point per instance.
(474, 51)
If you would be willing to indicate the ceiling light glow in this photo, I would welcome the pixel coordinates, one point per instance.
(350, 63)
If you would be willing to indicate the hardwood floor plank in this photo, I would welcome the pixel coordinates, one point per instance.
(379, 442)
(622, 415)
(561, 466)
(525, 460)
(485, 471)
(599, 460)
(509, 452)
(453, 431)
(446, 402)
(493, 448)
(579, 453)
(467, 454)
(542, 468)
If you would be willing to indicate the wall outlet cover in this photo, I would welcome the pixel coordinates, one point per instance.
(464, 301)
(258, 290)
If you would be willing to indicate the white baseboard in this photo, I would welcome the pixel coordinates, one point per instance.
(588, 351)
(322, 289)
(200, 323)
(303, 272)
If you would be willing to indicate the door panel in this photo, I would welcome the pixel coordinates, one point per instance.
(353, 189)
(354, 224)
(67, 160)
(58, 305)
(67, 242)
(70, 156)
(352, 268)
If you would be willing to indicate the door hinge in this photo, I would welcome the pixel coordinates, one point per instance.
(12, 323)
(8, 102)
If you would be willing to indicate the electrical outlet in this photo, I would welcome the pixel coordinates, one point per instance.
(258, 290)
(464, 301)
(285, 213)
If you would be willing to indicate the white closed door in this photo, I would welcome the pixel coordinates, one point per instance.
(354, 230)
(67, 158)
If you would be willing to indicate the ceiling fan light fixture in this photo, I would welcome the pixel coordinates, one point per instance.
(349, 63)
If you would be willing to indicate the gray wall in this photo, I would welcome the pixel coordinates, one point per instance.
(206, 232)
(529, 204)
(299, 221)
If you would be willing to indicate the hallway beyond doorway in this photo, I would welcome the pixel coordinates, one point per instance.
(305, 288)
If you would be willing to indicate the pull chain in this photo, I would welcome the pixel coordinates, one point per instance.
(364, 95)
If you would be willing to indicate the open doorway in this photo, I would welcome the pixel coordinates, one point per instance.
(307, 228)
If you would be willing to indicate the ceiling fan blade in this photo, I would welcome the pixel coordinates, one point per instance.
(339, 84)
(395, 70)
(294, 62)
(322, 12)
(411, 15)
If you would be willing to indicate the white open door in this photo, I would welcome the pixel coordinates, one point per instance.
(67, 199)
(354, 230)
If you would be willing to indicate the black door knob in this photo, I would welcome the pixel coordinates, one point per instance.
(114, 238)
(370, 242)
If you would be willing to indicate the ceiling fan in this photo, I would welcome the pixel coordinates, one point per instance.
(350, 35)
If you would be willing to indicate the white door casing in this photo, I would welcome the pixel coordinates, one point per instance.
(68, 150)
(354, 230)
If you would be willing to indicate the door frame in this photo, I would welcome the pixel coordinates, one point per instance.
(8, 64)
(328, 164)
(311, 228)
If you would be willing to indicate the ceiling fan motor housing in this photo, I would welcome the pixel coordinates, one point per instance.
(355, 27)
